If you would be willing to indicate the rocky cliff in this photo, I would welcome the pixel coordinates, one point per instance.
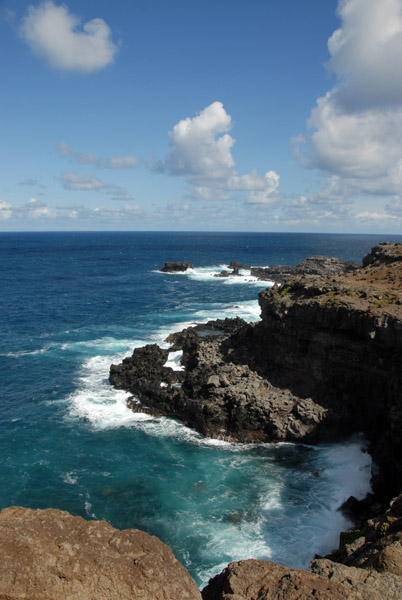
(324, 362)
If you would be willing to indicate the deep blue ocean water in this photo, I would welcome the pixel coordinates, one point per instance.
(73, 303)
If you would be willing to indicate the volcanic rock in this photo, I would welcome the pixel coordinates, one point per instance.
(313, 265)
(324, 362)
(51, 555)
(176, 267)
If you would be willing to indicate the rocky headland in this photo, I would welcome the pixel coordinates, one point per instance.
(324, 362)
(312, 265)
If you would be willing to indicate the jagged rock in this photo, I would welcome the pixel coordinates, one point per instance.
(381, 547)
(263, 580)
(382, 254)
(313, 265)
(324, 362)
(51, 555)
(176, 267)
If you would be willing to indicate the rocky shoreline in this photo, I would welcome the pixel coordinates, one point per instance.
(323, 362)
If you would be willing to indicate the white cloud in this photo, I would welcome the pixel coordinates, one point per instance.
(5, 210)
(88, 182)
(201, 151)
(122, 162)
(32, 182)
(375, 216)
(127, 161)
(356, 126)
(35, 209)
(79, 157)
(200, 147)
(366, 54)
(55, 34)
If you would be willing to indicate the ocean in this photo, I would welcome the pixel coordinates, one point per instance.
(74, 303)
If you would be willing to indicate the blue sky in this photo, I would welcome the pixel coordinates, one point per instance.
(267, 115)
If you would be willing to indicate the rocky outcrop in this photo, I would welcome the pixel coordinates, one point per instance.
(368, 566)
(49, 554)
(325, 580)
(377, 545)
(324, 362)
(176, 267)
(220, 393)
(313, 265)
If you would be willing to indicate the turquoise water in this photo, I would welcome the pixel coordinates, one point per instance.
(74, 303)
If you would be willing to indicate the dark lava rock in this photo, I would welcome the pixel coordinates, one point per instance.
(313, 265)
(176, 267)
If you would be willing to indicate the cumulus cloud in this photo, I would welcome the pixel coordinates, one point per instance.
(200, 146)
(366, 54)
(55, 34)
(356, 125)
(201, 151)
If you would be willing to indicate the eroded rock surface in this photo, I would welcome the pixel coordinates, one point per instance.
(49, 554)
(263, 580)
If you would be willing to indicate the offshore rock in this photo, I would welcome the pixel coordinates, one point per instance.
(51, 555)
(176, 267)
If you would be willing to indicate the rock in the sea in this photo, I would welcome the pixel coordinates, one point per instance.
(176, 267)
(313, 265)
(51, 555)
(263, 580)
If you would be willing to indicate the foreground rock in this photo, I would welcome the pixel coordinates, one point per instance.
(49, 554)
(176, 267)
(262, 580)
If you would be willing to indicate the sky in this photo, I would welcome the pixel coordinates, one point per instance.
(181, 115)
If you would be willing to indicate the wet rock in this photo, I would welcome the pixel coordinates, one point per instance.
(176, 267)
